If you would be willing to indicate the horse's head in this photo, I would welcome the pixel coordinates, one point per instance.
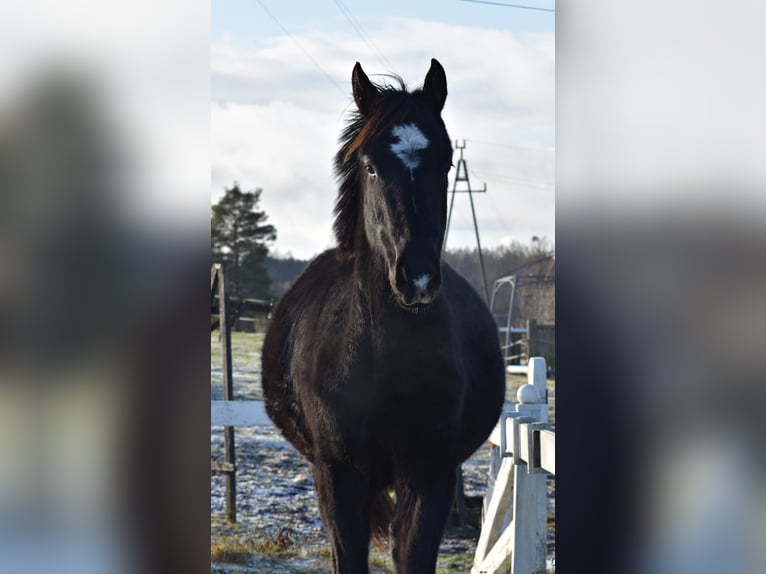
(393, 168)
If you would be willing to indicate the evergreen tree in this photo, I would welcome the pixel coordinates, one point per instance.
(239, 238)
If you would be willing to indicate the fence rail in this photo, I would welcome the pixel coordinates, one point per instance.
(238, 413)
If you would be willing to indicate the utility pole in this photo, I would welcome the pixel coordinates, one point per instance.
(461, 174)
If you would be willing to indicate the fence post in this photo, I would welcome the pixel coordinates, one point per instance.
(228, 394)
(514, 531)
(529, 517)
(533, 396)
(529, 493)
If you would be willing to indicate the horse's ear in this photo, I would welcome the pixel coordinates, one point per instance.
(365, 92)
(435, 85)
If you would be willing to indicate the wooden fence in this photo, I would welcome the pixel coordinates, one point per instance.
(514, 532)
(227, 312)
(248, 315)
(228, 467)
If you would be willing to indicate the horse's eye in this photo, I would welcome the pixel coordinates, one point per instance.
(370, 169)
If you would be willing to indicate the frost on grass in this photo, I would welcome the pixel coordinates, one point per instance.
(275, 497)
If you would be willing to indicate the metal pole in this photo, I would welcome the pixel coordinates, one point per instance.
(461, 166)
(478, 243)
(449, 217)
(509, 321)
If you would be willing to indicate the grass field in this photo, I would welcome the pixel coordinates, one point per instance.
(235, 548)
(246, 365)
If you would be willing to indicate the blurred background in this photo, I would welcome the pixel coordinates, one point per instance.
(104, 199)
(661, 318)
(105, 195)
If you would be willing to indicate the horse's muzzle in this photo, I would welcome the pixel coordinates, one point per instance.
(416, 285)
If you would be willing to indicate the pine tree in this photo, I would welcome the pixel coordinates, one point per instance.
(239, 238)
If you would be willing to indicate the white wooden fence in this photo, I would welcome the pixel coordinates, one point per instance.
(513, 534)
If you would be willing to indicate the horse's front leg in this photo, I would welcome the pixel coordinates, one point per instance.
(344, 501)
(422, 507)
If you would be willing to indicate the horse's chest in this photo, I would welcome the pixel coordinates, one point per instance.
(411, 353)
(392, 389)
(405, 377)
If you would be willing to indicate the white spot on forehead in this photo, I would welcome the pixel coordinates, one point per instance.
(410, 140)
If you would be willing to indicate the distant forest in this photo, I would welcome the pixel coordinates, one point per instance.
(533, 259)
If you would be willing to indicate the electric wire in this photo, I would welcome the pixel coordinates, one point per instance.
(305, 52)
(357, 26)
(504, 5)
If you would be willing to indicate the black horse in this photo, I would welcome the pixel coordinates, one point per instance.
(381, 364)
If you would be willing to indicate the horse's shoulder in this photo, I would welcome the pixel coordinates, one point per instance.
(466, 305)
(456, 284)
(312, 286)
(317, 265)
(325, 263)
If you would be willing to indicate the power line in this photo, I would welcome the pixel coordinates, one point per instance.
(520, 182)
(362, 34)
(305, 52)
(512, 146)
(357, 26)
(506, 179)
(499, 214)
(510, 5)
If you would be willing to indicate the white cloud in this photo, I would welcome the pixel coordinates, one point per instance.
(276, 118)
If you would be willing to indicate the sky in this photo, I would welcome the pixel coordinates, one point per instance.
(281, 87)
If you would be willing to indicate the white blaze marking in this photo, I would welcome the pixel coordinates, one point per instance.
(410, 141)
